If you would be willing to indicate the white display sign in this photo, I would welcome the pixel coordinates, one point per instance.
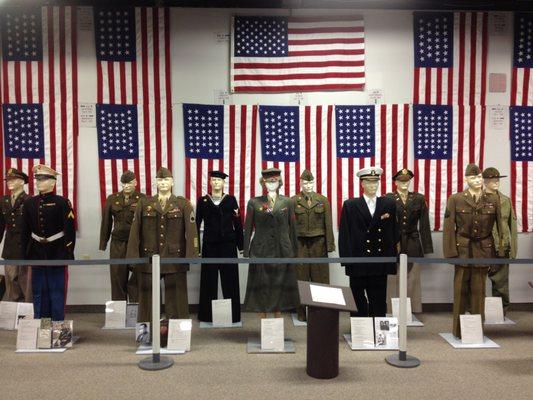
(362, 332)
(498, 23)
(471, 329)
(8, 314)
(272, 334)
(222, 96)
(325, 294)
(221, 37)
(494, 310)
(221, 312)
(375, 96)
(386, 330)
(395, 302)
(87, 115)
(179, 334)
(298, 98)
(85, 18)
(498, 116)
(115, 314)
(27, 334)
(132, 310)
(24, 311)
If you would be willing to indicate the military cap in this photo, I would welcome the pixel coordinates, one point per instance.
(472, 170)
(371, 173)
(307, 176)
(127, 177)
(403, 175)
(44, 171)
(492, 172)
(270, 172)
(163, 173)
(13, 173)
(218, 174)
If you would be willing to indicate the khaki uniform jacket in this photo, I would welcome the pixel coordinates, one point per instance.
(170, 232)
(12, 222)
(468, 226)
(117, 217)
(413, 223)
(314, 219)
(509, 229)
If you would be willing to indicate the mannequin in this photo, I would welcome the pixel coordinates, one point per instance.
(49, 233)
(368, 228)
(468, 225)
(18, 277)
(118, 214)
(314, 231)
(223, 235)
(271, 288)
(415, 236)
(163, 224)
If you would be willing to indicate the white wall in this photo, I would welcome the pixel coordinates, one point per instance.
(200, 65)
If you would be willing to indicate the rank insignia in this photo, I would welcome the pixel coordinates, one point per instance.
(70, 214)
(385, 216)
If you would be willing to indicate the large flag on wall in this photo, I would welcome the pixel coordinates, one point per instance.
(296, 54)
(446, 139)
(450, 57)
(133, 68)
(39, 93)
(221, 138)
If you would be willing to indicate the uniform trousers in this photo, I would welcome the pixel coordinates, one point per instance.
(176, 302)
(499, 276)
(370, 295)
(229, 280)
(49, 292)
(122, 283)
(18, 283)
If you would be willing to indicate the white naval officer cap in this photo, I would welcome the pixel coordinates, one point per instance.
(370, 173)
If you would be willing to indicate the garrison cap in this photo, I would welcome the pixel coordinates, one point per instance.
(472, 170)
(127, 177)
(371, 173)
(163, 173)
(307, 176)
(218, 174)
(270, 172)
(13, 173)
(44, 171)
(403, 175)
(492, 172)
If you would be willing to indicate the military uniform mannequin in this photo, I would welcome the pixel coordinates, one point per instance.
(18, 277)
(468, 225)
(314, 231)
(49, 234)
(222, 237)
(163, 224)
(118, 214)
(415, 236)
(499, 274)
(368, 228)
(271, 288)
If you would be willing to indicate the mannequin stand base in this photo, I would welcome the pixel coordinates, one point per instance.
(402, 360)
(155, 363)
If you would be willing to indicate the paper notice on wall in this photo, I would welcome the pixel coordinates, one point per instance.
(498, 23)
(85, 18)
(498, 117)
(222, 96)
(221, 37)
(375, 96)
(87, 115)
(298, 98)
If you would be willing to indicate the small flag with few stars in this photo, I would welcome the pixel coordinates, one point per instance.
(117, 131)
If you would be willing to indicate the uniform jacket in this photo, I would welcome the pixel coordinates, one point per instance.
(314, 219)
(508, 225)
(468, 226)
(170, 232)
(117, 217)
(11, 222)
(364, 235)
(413, 223)
(222, 223)
(274, 230)
(45, 215)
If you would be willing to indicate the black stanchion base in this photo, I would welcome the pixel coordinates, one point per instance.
(402, 360)
(155, 363)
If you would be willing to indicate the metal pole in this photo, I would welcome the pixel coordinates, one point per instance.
(156, 362)
(402, 360)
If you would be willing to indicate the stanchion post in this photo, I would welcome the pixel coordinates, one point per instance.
(402, 360)
(156, 362)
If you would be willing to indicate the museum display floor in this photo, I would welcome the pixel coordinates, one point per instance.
(103, 365)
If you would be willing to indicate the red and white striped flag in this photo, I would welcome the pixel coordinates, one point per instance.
(450, 57)
(296, 54)
(133, 67)
(39, 68)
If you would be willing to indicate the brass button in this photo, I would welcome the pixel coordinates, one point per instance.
(379, 249)
(368, 241)
(379, 229)
(162, 226)
(368, 251)
(379, 240)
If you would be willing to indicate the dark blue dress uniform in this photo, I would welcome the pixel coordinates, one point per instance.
(223, 235)
(49, 234)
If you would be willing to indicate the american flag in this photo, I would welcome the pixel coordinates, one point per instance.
(291, 54)
(40, 75)
(221, 138)
(446, 139)
(133, 68)
(521, 81)
(450, 57)
(521, 118)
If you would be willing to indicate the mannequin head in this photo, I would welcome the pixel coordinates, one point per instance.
(491, 179)
(15, 180)
(216, 181)
(370, 186)
(165, 181)
(45, 178)
(307, 182)
(128, 182)
(271, 180)
(473, 177)
(403, 186)
(370, 180)
(402, 180)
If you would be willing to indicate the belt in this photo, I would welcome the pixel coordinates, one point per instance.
(49, 238)
(474, 239)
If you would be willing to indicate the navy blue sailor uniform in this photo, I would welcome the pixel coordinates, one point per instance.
(49, 234)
